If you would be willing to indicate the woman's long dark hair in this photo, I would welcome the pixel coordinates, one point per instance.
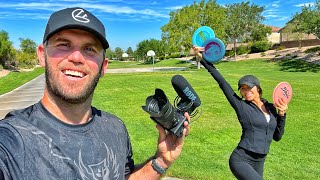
(259, 91)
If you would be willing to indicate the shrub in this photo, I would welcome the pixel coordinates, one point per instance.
(243, 50)
(27, 60)
(240, 50)
(175, 55)
(260, 46)
(280, 48)
(229, 53)
(314, 49)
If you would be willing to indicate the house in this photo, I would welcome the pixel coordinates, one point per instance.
(274, 37)
(290, 39)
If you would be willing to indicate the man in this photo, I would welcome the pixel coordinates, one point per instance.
(63, 136)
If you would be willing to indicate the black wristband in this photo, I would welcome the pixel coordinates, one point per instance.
(157, 167)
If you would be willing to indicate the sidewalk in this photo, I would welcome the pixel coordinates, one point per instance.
(23, 96)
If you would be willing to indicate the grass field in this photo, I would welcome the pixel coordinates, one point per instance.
(214, 136)
(132, 64)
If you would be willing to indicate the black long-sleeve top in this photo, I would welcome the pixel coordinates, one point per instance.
(257, 133)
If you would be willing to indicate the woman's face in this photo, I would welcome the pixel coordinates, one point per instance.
(249, 93)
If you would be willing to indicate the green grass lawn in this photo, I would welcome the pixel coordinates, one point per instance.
(214, 136)
(133, 64)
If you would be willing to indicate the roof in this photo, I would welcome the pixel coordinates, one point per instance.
(274, 29)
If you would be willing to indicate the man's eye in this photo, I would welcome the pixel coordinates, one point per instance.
(90, 49)
(63, 45)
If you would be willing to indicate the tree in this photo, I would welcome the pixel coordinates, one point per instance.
(7, 52)
(287, 31)
(184, 22)
(27, 56)
(129, 51)
(293, 30)
(118, 53)
(308, 20)
(242, 19)
(260, 33)
(27, 45)
(110, 54)
(144, 46)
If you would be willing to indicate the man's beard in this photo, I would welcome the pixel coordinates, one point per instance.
(63, 95)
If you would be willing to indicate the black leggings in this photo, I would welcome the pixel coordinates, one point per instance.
(246, 165)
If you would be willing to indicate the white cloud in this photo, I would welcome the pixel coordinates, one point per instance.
(275, 5)
(271, 16)
(305, 4)
(282, 18)
(174, 7)
(98, 7)
(271, 11)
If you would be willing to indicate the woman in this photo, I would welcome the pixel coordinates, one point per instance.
(260, 120)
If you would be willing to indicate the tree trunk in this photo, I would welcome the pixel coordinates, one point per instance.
(198, 62)
(235, 48)
(3, 63)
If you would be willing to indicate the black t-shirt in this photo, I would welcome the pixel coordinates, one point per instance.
(36, 145)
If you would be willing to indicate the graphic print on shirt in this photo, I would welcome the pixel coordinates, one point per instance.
(107, 168)
(46, 137)
(101, 170)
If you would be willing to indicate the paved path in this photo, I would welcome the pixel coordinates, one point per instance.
(23, 96)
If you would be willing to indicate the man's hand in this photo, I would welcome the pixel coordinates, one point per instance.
(169, 145)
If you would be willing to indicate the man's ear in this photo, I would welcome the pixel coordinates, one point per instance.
(104, 66)
(41, 55)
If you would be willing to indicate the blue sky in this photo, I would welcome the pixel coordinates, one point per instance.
(127, 22)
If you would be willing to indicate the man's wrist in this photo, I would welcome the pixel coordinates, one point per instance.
(158, 166)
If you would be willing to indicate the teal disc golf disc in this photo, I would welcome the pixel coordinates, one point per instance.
(201, 35)
(214, 50)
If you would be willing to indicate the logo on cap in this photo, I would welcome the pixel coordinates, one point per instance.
(80, 15)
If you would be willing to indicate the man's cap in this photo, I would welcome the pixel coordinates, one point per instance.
(75, 18)
(248, 80)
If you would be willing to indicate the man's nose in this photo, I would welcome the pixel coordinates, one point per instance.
(76, 56)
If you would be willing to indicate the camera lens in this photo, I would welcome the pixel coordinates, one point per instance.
(161, 110)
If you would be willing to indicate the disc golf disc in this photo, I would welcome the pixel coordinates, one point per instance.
(201, 35)
(282, 90)
(214, 50)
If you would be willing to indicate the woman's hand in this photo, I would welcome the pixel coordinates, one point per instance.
(281, 106)
(198, 51)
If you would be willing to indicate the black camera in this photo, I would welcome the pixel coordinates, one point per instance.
(172, 117)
